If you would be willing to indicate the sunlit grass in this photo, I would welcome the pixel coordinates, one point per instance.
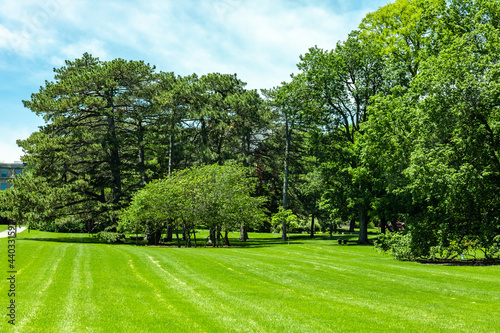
(71, 283)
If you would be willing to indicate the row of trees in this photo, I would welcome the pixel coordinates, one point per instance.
(409, 108)
(114, 126)
(398, 122)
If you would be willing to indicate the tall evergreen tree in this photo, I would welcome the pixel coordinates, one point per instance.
(92, 144)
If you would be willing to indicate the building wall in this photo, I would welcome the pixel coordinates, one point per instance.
(9, 171)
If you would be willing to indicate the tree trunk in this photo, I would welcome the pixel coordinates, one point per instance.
(211, 236)
(140, 145)
(146, 233)
(114, 162)
(245, 144)
(285, 179)
(383, 224)
(352, 225)
(312, 226)
(363, 226)
(187, 237)
(168, 237)
(112, 147)
(283, 232)
(219, 149)
(218, 235)
(170, 148)
(177, 236)
(154, 237)
(194, 236)
(226, 238)
(243, 233)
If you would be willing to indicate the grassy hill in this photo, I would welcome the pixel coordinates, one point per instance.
(71, 283)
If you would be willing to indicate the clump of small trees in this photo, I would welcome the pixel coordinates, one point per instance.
(218, 197)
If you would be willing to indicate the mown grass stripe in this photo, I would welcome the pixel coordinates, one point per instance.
(35, 283)
(71, 283)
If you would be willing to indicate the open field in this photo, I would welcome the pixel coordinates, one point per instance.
(70, 283)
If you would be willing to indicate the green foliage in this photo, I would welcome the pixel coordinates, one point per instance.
(285, 217)
(213, 195)
(494, 250)
(404, 32)
(398, 244)
(68, 227)
(113, 126)
(86, 154)
(111, 237)
(432, 143)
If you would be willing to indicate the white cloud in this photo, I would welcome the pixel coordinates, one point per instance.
(75, 50)
(27, 25)
(9, 151)
(230, 36)
(260, 40)
(14, 41)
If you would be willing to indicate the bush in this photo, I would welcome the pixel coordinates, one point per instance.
(397, 244)
(494, 250)
(111, 237)
(293, 227)
(287, 216)
(403, 247)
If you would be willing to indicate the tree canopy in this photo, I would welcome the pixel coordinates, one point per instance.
(215, 196)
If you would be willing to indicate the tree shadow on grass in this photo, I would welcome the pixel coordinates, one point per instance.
(235, 243)
(78, 240)
(262, 242)
(337, 239)
(273, 240)
(459, 262)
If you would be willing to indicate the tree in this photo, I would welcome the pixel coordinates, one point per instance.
(21, 202)
(460, 148)
(174, 102)
(113, 126)
(401, 36)
(293, 112)
(91, 146)
(310, 185)
(284, 217)
(250, 124)
(213, 117)
(442, 149)
(341, 82)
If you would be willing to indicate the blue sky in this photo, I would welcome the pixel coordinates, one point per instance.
(259, 40)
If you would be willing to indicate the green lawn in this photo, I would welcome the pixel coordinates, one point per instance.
(70, 283)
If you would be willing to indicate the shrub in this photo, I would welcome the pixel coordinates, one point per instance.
(111, 237)
(494, 249)
(397, 244)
